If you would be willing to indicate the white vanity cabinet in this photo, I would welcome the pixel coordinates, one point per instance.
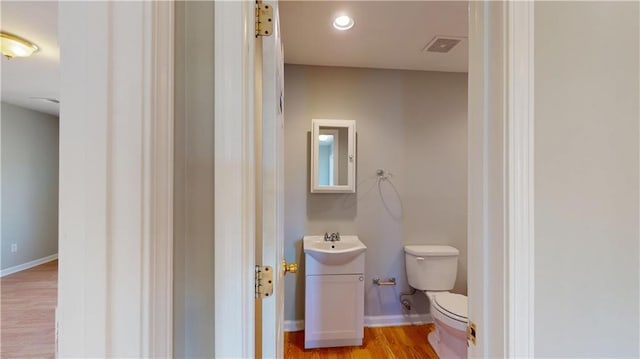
(334, 292)
(334, 310)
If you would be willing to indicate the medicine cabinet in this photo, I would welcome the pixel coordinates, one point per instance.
(333, 156)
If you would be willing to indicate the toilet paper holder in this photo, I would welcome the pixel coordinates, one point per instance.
(388, 281)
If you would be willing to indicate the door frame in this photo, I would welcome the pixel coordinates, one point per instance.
(520, 279)
(500, 178)
(115, 283)
(500, 222)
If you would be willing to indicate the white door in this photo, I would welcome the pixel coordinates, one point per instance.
(249, 176)
(272, 188)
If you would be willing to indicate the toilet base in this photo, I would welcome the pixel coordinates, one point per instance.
(434, 341)
(452, 344)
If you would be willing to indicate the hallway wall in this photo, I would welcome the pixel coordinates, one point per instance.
(587, 71)
(29, 185)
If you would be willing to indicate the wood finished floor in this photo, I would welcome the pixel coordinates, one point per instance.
(406, 342)
(27, 316)
(27, 312)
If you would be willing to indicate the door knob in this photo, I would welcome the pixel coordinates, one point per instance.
(289, 268)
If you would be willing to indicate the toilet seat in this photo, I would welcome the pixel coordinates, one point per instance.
(451, 309)
(452, 305)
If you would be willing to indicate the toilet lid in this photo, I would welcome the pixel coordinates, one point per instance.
(454, 304)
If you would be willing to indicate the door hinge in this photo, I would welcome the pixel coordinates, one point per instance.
(264, 281)
(471, 332)
(264, 19)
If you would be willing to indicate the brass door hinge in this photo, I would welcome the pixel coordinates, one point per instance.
(264, 281)
(264, 19)
(471, 332)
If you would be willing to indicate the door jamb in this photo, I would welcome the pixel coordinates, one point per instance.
(501, 207)
(520, 100)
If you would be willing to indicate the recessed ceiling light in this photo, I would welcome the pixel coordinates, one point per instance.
(343, 22)
(15, 46)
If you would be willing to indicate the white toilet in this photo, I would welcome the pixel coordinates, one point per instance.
(432, 270)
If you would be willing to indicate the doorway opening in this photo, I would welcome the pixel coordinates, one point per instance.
(29, 123)
(399, 70)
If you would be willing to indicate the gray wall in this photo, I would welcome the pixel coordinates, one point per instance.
(193, 181)
(411, 123)
(29, 185)
(586, 179)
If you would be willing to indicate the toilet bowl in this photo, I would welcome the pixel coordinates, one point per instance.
(449, 313)
(432, 270)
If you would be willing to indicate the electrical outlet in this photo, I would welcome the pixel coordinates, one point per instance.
(14, 247)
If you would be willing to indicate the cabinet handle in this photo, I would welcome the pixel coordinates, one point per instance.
(361, 278)
(419, 258)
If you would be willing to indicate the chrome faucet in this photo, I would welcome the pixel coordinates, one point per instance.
(334, 237)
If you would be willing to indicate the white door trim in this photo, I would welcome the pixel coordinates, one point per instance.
(116, 180)
(158, 263)
(501, 256)
(235, 204)
(520, 162)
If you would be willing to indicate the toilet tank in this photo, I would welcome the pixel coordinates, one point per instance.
(431, 267)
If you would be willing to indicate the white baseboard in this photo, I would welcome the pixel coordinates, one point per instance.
(24, 266)
(397, 320)
(372, 321)
(293, 325)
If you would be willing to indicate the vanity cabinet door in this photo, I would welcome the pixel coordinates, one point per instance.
(334, 310)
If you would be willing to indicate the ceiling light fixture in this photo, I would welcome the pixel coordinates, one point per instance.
(15, 46)
(343, 22)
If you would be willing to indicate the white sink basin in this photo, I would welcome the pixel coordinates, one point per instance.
(333, 253)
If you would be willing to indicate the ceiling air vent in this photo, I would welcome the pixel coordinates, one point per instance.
(441, 44)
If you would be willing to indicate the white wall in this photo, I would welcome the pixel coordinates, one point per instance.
(411, 123)
(194, 186)
(29, 185)
(586, 179)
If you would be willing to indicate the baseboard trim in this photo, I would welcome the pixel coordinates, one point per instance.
(293, 325)
(397, 320)
(372, 321)
(25, 266)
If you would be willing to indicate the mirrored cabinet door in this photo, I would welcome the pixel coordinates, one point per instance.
(333, 156)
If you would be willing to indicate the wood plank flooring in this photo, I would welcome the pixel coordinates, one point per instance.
(406, 342)
(27, 312)
(27, 316)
